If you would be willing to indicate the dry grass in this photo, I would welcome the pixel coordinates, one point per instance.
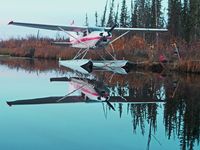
(31, 47)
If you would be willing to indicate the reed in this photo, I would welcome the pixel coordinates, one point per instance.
(41, 48)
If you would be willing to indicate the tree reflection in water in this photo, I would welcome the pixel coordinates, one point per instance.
(182, 113)
(181, 109)
(180, 93)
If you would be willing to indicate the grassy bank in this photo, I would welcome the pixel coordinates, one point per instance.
(133, 48)
(188, 66)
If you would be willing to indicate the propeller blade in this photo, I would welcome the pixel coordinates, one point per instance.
(110, 105)
(105, 37)
(112, 28)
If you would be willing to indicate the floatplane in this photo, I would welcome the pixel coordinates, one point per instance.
(88, 38)
(89, 90)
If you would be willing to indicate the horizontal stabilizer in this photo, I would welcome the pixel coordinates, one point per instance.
(60, 79)
(61, 43)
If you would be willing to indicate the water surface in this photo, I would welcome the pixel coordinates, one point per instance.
(164, 114)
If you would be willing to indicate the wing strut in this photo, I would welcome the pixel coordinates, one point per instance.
(72, 36)
(119, 37)
(71, 93)
(84, 52)
(114, 41)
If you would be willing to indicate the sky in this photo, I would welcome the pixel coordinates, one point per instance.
(61, 12)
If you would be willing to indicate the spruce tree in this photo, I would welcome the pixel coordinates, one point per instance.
(174, 17)
(132, 13)
(124, 15)
(116, 15)
(103, 20)
(185, 21)
(111, 15)
(96, 19)
(141, 13)
(156, 14)
(194, 19)
(135, 15)
(86, 20)
(147, 14)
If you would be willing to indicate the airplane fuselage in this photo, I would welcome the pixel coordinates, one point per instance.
(88, 90)
(93, 40)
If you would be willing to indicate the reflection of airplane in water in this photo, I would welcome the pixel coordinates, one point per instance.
(91, 91)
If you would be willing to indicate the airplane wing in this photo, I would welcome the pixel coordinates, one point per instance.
(50, 27)
(79, 99)
(74, 28)
(47, 100)
(138, 29)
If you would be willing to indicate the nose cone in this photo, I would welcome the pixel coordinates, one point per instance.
(103, 98)
(105, 34)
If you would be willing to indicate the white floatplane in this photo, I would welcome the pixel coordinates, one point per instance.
(87, 38)
(90, 90)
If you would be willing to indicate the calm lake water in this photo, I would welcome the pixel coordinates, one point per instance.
(164, 112)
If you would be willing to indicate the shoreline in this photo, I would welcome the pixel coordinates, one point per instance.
(142, 55)
(184, 66)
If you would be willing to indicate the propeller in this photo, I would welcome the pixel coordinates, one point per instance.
(102, 94)
(104, 37)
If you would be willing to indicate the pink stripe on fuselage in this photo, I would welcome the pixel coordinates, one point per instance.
(86, 90)
(89, 92)
(85, 39)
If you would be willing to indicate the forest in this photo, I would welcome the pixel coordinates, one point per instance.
(182, 20)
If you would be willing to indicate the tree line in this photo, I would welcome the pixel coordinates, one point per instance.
(182, 19)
